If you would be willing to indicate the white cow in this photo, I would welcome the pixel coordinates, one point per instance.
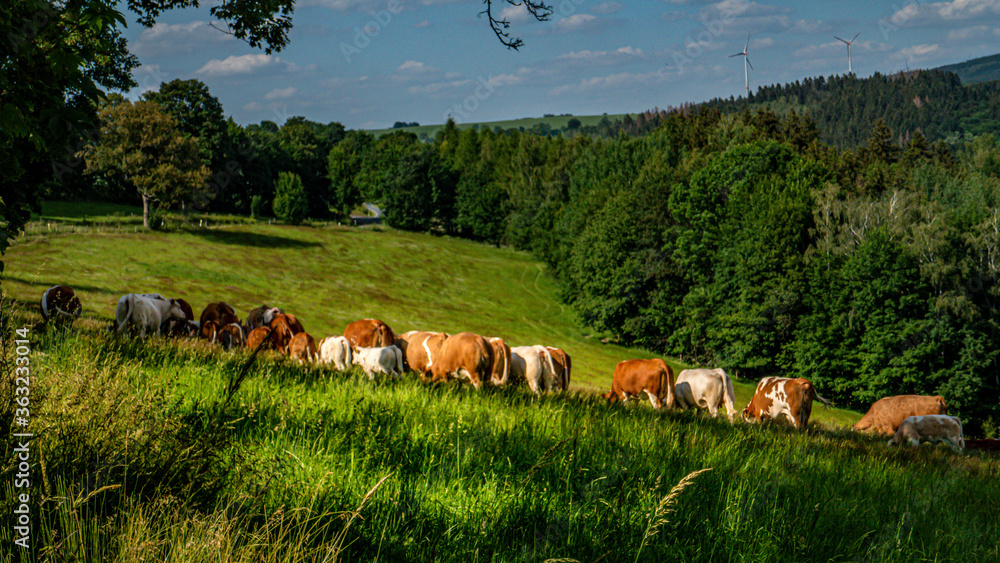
(706, 389)
(382, 359)
(534, 365)
(147, 312)
(930, 428)
(336, 350)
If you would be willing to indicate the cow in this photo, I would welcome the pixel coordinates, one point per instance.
(463, 355)
(500, 372)
(369, 333)
(706, 389)
(60, 305)
(782, 395)
(209, 330)
(146, 311)
(184, 327)
(261, 316)
(380, 359)
(420, 348)
(336, 350)
(562, 365)
(930, 428)
(886, 414)
(231, 336)
(259, 336)
(632, 377)
(302, 348)
(533, 365)
(222, 313)
(282, 333)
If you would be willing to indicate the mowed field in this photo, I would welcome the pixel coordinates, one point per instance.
(160, 450)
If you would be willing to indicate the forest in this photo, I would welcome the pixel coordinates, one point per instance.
(734, 238)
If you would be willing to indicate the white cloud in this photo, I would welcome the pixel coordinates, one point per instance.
(576, 22)
(920, 51)
(605, 8)
(244, 64)
(179, 38)
(415, 67)
(514, 14)
(281, 93)
(590, 58)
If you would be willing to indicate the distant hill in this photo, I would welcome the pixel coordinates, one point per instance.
(554, 122)
(975, 71)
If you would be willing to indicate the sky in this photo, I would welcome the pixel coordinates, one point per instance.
(370, 63)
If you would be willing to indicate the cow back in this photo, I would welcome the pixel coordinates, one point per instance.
(500, 372)
(60, 303)
(220, 312)
(464, 355)
(886, 414)
(258, 336)
(369, 333)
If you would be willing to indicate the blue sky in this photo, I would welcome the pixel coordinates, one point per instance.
(370, 63)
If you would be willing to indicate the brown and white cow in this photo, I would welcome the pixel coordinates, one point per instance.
(369, 333)
(209, 330)
(633, 377)
(930, 428)
(336, 350)
(221, 313)
(302, 347)
(60, 305)
(258, 336)
(146, 311)
(282, 333)
(707, 389)
(379, 359)
(231, 336)
(886, 414)
(776, 396)
(562, 364)
(500, 372)
(533, 365)
(464, 355)
(420, 349)
(261, 316)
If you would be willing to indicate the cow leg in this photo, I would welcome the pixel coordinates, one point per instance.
(653, 399)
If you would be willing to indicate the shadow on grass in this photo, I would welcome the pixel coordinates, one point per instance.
(252, 239)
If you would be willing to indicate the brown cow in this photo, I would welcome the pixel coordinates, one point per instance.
(302, 348)
(261, 316)
(209, 331)
(369, 333)
(185, 327)
(464, 355)
(421, 350)
(562, 364)
(782, 395)
(257, 336)
(282, 334)
(885, 416)
(60, 305)
(632, 377)
(231, 336)
(219, 312)
(500, 373)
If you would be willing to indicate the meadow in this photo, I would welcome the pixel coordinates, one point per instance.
(171, 449)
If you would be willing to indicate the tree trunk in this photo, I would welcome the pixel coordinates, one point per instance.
(145, 211)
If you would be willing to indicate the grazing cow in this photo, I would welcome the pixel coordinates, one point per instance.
(282, 334)
(337, 351)
(191, 329)
(258, 336)
(222, 313)
(562, 365)
(209, 331)
(146, 311)
(369, 333)
(231, 336)
(381, 359)
(464, 355)
(782, 395)
(183, 327)
(930, 428)
(632, 377)
(420, 349)
(500, 373)
(60, 305)
(886, 414)
(302, 348)
(706, 389)
(261, 316)
(532, 364)
(293, 323)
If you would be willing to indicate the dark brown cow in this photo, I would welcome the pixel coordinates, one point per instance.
(500, 373)
(282, 334)
(219, 312)
(303, 348)
(562, 364)
(231, 336)
(293, 323)
(177, 327)
(257, 336)
(782, 395)
(60, 305)
(188, 311)
(259, 316)
(632, 377)
(885, 416)
(464, 355)
(369, 333)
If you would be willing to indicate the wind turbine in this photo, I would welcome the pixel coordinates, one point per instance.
(848, 50)
(746, 63)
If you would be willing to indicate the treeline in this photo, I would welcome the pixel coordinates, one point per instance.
(845, 107)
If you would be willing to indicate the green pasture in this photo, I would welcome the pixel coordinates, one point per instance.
(555, 122)
(326, 276)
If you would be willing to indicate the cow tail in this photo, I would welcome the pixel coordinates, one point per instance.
(826, 403)
(45, 305)
(729, 396)
(668, 381)
(128, 312)
(399, 359)
(552, 366)
(506, 366)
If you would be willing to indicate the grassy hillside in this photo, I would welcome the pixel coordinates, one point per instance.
(555, 122)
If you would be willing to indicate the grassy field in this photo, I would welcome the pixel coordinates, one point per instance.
(157, 450)
(555, 122)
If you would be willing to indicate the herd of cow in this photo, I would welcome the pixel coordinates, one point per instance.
(440, 357)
